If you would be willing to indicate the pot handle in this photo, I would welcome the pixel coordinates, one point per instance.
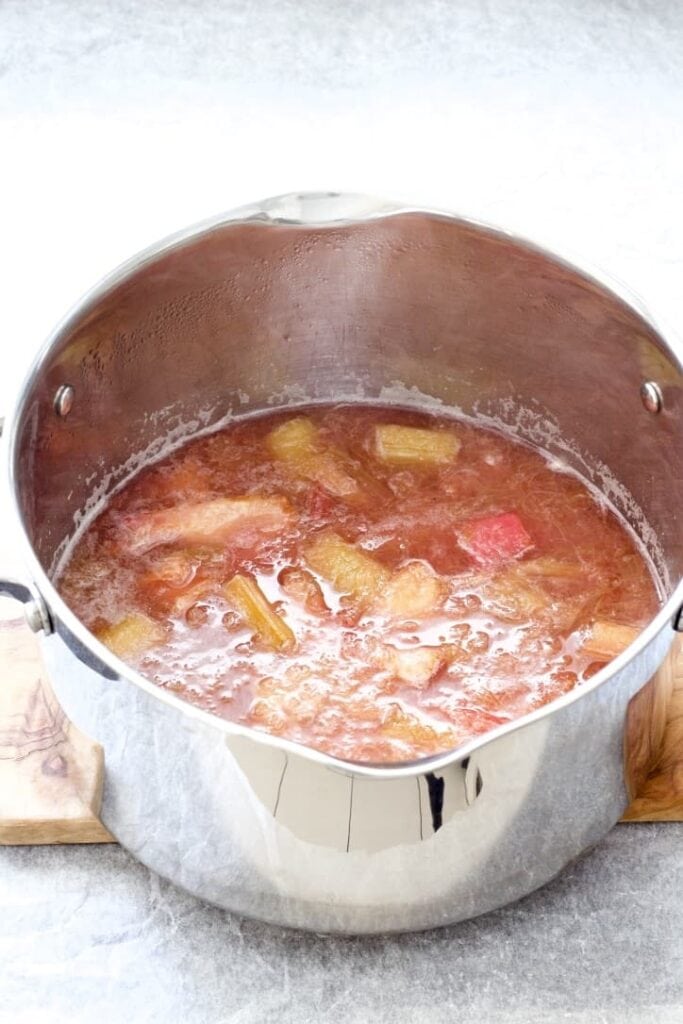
(35, 609)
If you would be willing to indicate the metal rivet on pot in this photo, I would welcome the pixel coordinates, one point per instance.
(33, 617)
(651, 396)
(64, 400)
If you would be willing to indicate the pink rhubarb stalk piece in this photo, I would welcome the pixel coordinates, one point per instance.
(494, 540)
(206, 522)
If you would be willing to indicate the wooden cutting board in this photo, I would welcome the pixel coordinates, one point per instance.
(51, 775)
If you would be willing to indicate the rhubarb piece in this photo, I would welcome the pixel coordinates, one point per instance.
(415, 734)
(187, 478)
(412, 592)
(294, 439)
(197, 615)
(318, 504)
(403, 446)
(206, 522)
(348, 569)
(267, 714)
(551, 568)
(168, 575)
(174, 569)
(296, 443)
(246, 596)
(514, 599)
(608, 639)
(294, 700)
(302, 587)
(198, 592)
(132, 635)
(494, 540)
(568, 613)
(416, 666)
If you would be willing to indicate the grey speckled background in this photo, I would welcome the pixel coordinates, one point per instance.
(121, 121)
(89, 935)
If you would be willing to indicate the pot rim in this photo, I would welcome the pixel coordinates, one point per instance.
(304, 209)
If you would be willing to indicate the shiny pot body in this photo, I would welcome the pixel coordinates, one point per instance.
(340, 298)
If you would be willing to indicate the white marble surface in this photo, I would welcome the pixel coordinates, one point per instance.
(88, 935)
(120, 122)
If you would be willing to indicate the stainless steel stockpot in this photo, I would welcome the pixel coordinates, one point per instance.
(333, 297)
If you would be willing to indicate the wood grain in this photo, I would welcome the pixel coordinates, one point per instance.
(51, 775)
(660, 797)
